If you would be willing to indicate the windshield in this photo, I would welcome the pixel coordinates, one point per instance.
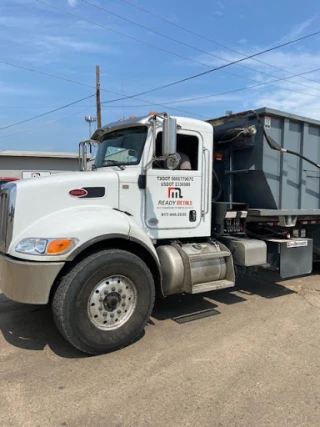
(121, 147)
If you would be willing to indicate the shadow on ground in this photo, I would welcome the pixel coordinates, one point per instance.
(177, 306)
(32, 327)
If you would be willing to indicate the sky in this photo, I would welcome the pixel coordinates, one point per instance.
(145, 53)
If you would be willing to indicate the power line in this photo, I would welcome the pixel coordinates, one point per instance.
(171, 84)
(46, 113)
(45, 74)
(42, 126)
(150, 103)
(220, 67)
(24, 107)
(119, 32)
(79, 112)
(66, 79)
(190, 46)
(169, 103)
(180, 56)
(206, 38)
(77, 106)
(238, 90)
(76, 113)
(165, 50)
(166, 103)
(84, 84)
(146, 105)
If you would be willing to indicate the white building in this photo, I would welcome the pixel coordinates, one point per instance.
(28, 164)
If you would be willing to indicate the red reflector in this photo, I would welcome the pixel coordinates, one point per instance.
(78, 192)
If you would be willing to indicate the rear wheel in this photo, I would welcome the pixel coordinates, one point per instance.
(104, 302)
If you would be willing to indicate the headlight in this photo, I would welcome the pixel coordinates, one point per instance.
(45, 246)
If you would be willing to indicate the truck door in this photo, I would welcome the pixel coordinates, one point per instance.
(173, 198)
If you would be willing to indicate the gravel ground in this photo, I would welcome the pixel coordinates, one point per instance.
(255, 361)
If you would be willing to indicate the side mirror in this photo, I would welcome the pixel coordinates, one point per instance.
(169, 136)
(83, 155)
(173, 161)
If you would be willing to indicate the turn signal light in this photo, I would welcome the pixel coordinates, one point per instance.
(58, 246)
(153, 113)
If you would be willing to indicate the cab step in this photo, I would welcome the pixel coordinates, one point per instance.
(211, 286)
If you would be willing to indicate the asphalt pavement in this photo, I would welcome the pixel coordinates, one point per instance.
(247, 357)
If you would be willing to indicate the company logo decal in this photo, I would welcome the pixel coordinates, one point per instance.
(78, 192)
(88, 192)
(174, 193)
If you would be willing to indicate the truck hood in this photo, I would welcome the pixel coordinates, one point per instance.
(39, 197)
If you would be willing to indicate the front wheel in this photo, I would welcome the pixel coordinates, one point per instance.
(104, 302)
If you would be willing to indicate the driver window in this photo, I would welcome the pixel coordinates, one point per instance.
(187, 145)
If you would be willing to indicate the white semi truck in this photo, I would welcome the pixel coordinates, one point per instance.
(100, 245)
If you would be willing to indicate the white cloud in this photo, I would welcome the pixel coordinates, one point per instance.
(302, 98)
(19, 22)
(220, 4)
(72, 3)
(6, 89)
(294, 61)
(219, 8)
(296, 103)
(70, 43)
(298, 29)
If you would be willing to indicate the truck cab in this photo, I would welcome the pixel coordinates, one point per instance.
(148, 190)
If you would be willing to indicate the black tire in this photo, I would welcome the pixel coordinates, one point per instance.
(70, 301)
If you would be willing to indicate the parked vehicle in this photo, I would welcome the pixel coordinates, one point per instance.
(4, 180)
(172, 205)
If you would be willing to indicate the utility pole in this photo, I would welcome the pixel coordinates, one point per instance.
(98, 96)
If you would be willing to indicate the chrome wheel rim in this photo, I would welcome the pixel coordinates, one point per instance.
(112, 302)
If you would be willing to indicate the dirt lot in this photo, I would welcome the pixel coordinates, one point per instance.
(254, 362)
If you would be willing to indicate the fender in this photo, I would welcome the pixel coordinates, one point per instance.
(138, 242)
(135, 234)
(85, 223)
(138, 235)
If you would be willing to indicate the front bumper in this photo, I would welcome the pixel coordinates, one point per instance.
(28, 282)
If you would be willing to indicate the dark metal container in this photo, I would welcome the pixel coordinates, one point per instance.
(265, 178)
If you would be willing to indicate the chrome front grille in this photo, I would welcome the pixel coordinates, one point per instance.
(4, 202)
(7, 210)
